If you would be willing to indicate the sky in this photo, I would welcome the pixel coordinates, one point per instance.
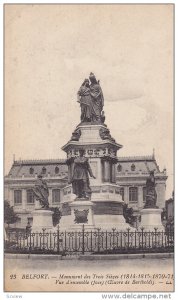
(51, 49)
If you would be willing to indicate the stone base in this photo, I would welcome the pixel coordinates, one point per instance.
(151, 219)
(81, 214)
(42, 218)
(109, 222)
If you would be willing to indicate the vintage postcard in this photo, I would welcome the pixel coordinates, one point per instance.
(89, 195)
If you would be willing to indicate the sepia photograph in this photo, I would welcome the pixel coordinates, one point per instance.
(89, 148)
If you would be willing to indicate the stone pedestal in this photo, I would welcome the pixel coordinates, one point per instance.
(105, 209)
(42, 218)
(151, 219)
(81, 214)
(109, 222)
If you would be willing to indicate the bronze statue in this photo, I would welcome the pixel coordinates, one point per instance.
(84, 98)
(151, 195)
(41, 192)
(80, 178)
(97, 98)
(90, 97)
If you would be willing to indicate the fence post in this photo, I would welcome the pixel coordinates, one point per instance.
(155, 236)
(30, 248)
(83, 239)
(43, 229)
(128, 240)
(58, 239)
(136, 238)
(17, 238)
(142, 229)
(65, 241)
(106, 241)
(113, 240)
(98, 239)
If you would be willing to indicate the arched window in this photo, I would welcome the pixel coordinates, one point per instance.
(133, 194)
(44, 170)
(31, 171)
(56, 170)
(119, 168)
(132, 167)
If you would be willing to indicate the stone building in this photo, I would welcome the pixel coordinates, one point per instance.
(131, 174)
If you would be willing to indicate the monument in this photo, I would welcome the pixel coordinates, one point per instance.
(42, 216)
(92, 196)
(151, 214)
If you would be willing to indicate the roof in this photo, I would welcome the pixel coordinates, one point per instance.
(137, 164)
(136, 158)
(58, 167)
(30, 168)
(39, 161)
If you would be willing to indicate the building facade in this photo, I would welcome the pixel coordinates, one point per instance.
(131, 174)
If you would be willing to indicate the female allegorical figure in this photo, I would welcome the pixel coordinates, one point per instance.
(96, 98)
(41, 192)
(91, 100)
(84, 98)
(151, 195)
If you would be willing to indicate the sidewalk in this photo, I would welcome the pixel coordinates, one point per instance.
(89, 256)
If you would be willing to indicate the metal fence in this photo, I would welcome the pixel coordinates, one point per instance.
(88, 241)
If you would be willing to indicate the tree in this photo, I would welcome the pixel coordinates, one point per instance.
(10, 217)
(128, 214)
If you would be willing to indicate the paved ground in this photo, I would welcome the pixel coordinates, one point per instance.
(143, 264)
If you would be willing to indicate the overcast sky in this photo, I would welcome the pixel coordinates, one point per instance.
(50, 49)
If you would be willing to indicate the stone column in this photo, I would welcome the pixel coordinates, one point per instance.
(24, 199)
(113, 173)
(50, 197)
(140, 196)
(11, 197)
(126, 194)
(106, 171)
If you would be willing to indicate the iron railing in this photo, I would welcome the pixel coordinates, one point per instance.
(90, 241)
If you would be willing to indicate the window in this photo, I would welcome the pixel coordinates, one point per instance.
(132, 167)
(122, 192)
(56, 196)
(119, 168)
(17, 197)
(31, 170)
(30, 197)
(30, 220)
(133, 194)
(56, 170)
(144, 194)
(18, 220)
(43, 170)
